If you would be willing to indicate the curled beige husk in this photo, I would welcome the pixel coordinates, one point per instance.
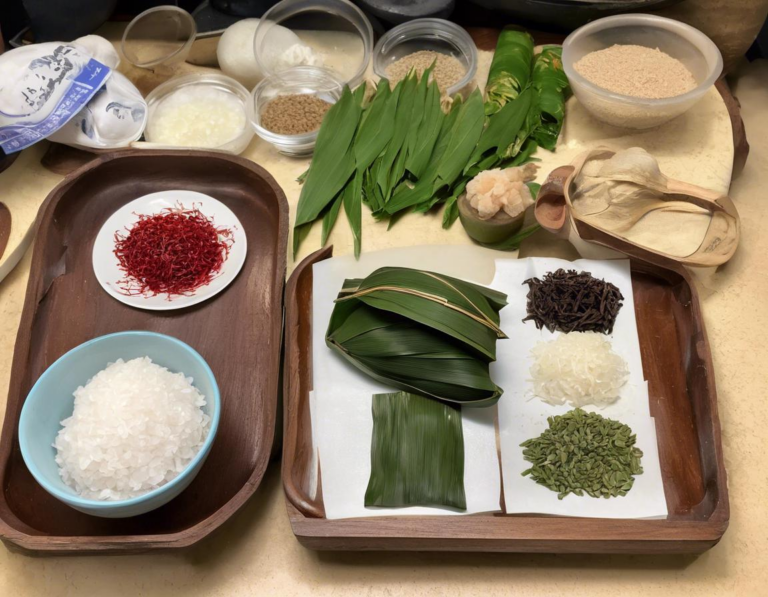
(623, 201)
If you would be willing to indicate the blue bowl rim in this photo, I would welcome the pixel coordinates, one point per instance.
(79, 502)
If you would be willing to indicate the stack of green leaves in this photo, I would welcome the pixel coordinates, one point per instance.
(582, 453)
(399, 150)
(420, 332)
(417, 453)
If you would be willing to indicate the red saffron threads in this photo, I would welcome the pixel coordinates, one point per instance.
(173, 252)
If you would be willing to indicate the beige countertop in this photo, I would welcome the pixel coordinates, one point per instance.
(255, 553)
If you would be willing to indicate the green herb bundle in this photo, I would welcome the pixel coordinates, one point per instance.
(399, 150)
(582, 453)
(417, 453)
(420, 332)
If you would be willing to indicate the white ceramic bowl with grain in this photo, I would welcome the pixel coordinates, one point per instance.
(690, 46)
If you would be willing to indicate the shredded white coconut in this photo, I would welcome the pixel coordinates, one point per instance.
(580, 368)
(134, 428)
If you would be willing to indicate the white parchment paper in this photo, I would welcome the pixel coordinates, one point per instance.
(343, 422)
(523, 416)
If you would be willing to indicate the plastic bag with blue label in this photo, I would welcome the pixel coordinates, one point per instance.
(68, 93)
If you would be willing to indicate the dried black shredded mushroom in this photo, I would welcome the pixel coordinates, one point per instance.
(568, 301)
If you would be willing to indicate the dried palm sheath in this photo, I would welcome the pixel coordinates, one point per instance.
(420, 332)
(417, 453)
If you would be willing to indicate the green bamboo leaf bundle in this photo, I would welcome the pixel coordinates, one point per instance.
(420, 332)
(550, 82)
(417, 453)
(510, 70)
(401, 152)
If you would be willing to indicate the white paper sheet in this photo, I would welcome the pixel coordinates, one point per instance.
(523, 416)
(344, 424)
(511, 370)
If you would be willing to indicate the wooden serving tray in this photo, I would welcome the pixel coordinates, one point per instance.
(238, 333)
(678, 366)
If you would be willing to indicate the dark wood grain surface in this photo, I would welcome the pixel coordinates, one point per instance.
(678, 367)
(238, 332)
(5, 227)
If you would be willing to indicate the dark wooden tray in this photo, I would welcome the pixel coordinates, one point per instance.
(238, 333)
(678, 366)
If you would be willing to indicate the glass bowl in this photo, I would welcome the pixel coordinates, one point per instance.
(690, 46)
(211, 80)
(160, 35)
(313, 80)
(436, 35)
(333, 34)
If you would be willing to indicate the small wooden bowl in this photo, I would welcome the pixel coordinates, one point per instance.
(487, 232)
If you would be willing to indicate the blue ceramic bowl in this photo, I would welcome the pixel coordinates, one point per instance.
(51, 400)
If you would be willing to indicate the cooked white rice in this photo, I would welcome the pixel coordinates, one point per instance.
(134, 428)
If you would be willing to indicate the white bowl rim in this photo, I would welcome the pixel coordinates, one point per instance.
(629, 20)
(87, 504)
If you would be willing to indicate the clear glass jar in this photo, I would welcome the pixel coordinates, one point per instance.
(216, 81)
(333, 34)
(298, 80)
(435, 35)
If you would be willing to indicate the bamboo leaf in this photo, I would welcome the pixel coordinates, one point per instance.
(375, 130)
(427, 186)
(417, 453)
(299, 234)
(502, 127)
(406, 95)
(464, 137)
(417, 114)
(353, 200)
(333, 163)
(428, 133)
(513, 243)
(451, 211)
(510, 69)
(553, 89)
(421, 332)
(329, 219)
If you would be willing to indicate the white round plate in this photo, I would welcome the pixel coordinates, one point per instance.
(107, 267)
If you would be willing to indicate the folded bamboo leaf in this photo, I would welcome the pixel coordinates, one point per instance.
(329, 219)
(550, 82)
(457, 293)
(421, 332)
(417, 453)
(353, 201)
(510, 69)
